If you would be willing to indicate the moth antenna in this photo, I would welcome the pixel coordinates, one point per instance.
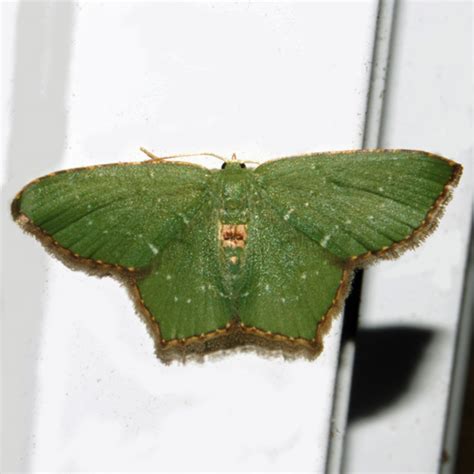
(234, 158)
(149, 154)
(183, 155)
(250, 161)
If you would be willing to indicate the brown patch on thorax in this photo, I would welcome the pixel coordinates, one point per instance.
(233, 235)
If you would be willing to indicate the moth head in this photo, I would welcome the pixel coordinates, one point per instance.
(233, 163)
(230, 165)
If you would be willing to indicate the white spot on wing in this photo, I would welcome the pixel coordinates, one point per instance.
(184, 218)
(287, 215)
(153, 248)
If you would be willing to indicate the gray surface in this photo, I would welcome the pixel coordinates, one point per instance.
(37, 138)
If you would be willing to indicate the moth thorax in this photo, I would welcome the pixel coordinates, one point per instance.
(235, 195)
(233, 235)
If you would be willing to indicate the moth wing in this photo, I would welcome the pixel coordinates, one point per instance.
(291, 282)
(357, 203)
(120, 214)
(184, 291)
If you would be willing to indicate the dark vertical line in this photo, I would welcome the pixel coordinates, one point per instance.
(36, 144)
(351, 309)
(379, 74)
(457, 454)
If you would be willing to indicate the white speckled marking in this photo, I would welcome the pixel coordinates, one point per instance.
(153, 248)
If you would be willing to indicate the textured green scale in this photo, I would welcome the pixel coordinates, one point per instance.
(223, 258)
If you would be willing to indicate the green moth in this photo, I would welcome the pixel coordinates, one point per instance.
(239, 256)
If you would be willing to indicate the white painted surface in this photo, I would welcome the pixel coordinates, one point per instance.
(262, 80)
(428, 106)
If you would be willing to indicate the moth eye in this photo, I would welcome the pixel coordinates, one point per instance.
(242, 165)
(223, 165)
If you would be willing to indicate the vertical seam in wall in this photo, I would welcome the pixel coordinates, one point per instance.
(459, 369)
